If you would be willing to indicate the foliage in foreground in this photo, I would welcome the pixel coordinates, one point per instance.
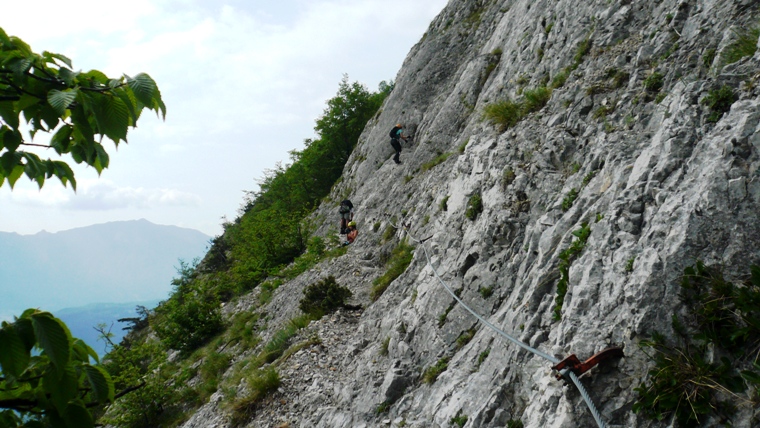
(687, 382)
(78, 108)
(47, 378)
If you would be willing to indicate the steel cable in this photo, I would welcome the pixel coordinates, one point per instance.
(565, 373)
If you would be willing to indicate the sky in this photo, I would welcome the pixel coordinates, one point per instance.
(243, 82)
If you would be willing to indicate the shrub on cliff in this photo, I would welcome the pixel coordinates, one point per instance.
(323, 297)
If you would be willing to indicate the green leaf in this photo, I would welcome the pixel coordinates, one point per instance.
(112, 117)
(14, 359)
(94, 75)
(68, 76)
(25, 331)
(101, 160)
(77, 416)
(15, 174)
(11, 139)
(62, 387)
(751, 376)
(143, 87)
(54, 339)
(61, 140)
(19, 65)
(64, 59)
(60, 100)
(102, 385)
(128, 97)
(9, 114)
(64, 173)
(4, 39)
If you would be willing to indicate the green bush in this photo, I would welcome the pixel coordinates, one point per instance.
(654, 82)
(560, 78)
(323, 297)
(745, 45)
(401, 257)
(474, 207)
(722, 319)
(536, 99)
(158, 401)
(486, 292)
(260, 385)
(316, 246)
(430, 375)
(186, 325)
(719, 101)
(503, 114)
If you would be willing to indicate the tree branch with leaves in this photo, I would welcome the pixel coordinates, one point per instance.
(42, 92)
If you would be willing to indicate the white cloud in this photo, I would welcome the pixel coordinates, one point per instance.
(101, 195)
(243, 83)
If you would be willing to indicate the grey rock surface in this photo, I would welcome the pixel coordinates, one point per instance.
(658, 184)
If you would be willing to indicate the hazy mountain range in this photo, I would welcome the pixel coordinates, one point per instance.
(83, 320)
(117, 262)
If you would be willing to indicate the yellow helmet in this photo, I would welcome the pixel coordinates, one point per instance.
(398, 125)
(351, 223)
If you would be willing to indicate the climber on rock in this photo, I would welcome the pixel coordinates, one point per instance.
(352, 233)
(398, 133)
(346, 212)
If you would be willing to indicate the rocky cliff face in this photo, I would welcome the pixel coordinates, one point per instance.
(625, 145)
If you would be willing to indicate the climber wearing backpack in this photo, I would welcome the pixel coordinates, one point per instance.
(346, 212)
(397, 133)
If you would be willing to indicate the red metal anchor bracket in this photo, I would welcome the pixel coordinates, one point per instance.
(573, 364)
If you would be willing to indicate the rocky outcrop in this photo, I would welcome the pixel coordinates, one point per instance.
(658, 183)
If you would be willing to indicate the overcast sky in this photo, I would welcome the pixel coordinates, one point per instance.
(243, 82)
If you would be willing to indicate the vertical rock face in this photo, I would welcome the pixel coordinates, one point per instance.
(625, 146)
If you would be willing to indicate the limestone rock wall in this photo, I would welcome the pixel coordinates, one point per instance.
(657, 183)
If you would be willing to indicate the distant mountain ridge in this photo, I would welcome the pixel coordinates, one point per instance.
(83, 320)
(115, 262)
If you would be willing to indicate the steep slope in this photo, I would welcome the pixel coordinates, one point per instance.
(624, 147)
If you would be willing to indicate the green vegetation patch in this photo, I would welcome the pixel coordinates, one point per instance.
(430, 375)
(260, 384)
(719, 101)
(569, 199)
(437, 160)
(401, 257)
(745, 45)
(503, 114)
(506, 113)
(323, 297)
(444, 205)
(566, 258)
(686, 382)
(465, 338)
(474, 207)
(654, 82)
(459, 420)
